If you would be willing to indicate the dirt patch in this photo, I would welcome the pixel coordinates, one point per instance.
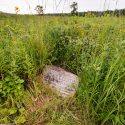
(38, 103)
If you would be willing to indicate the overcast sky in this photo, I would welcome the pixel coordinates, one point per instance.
(52, 6)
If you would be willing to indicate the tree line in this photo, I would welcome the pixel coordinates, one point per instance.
(74, 11)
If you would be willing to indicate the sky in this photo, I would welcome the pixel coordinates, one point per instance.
(59, 6)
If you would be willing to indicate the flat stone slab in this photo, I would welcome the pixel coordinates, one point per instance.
(65, 83)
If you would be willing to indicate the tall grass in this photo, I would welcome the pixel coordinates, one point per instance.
(92, 48)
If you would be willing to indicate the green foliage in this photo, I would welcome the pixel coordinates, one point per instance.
(93, 48)
(11, 86)
(66, 47)
(22, 57)
(97, 55)
(20, 120)
(12, 114)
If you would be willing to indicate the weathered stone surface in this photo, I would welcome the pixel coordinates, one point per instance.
(65, 83)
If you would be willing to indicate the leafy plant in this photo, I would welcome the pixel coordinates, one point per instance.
(11, 86)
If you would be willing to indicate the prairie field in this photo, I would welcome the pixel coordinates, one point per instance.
(91, 47)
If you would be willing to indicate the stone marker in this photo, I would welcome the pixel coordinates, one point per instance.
(65, 83)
